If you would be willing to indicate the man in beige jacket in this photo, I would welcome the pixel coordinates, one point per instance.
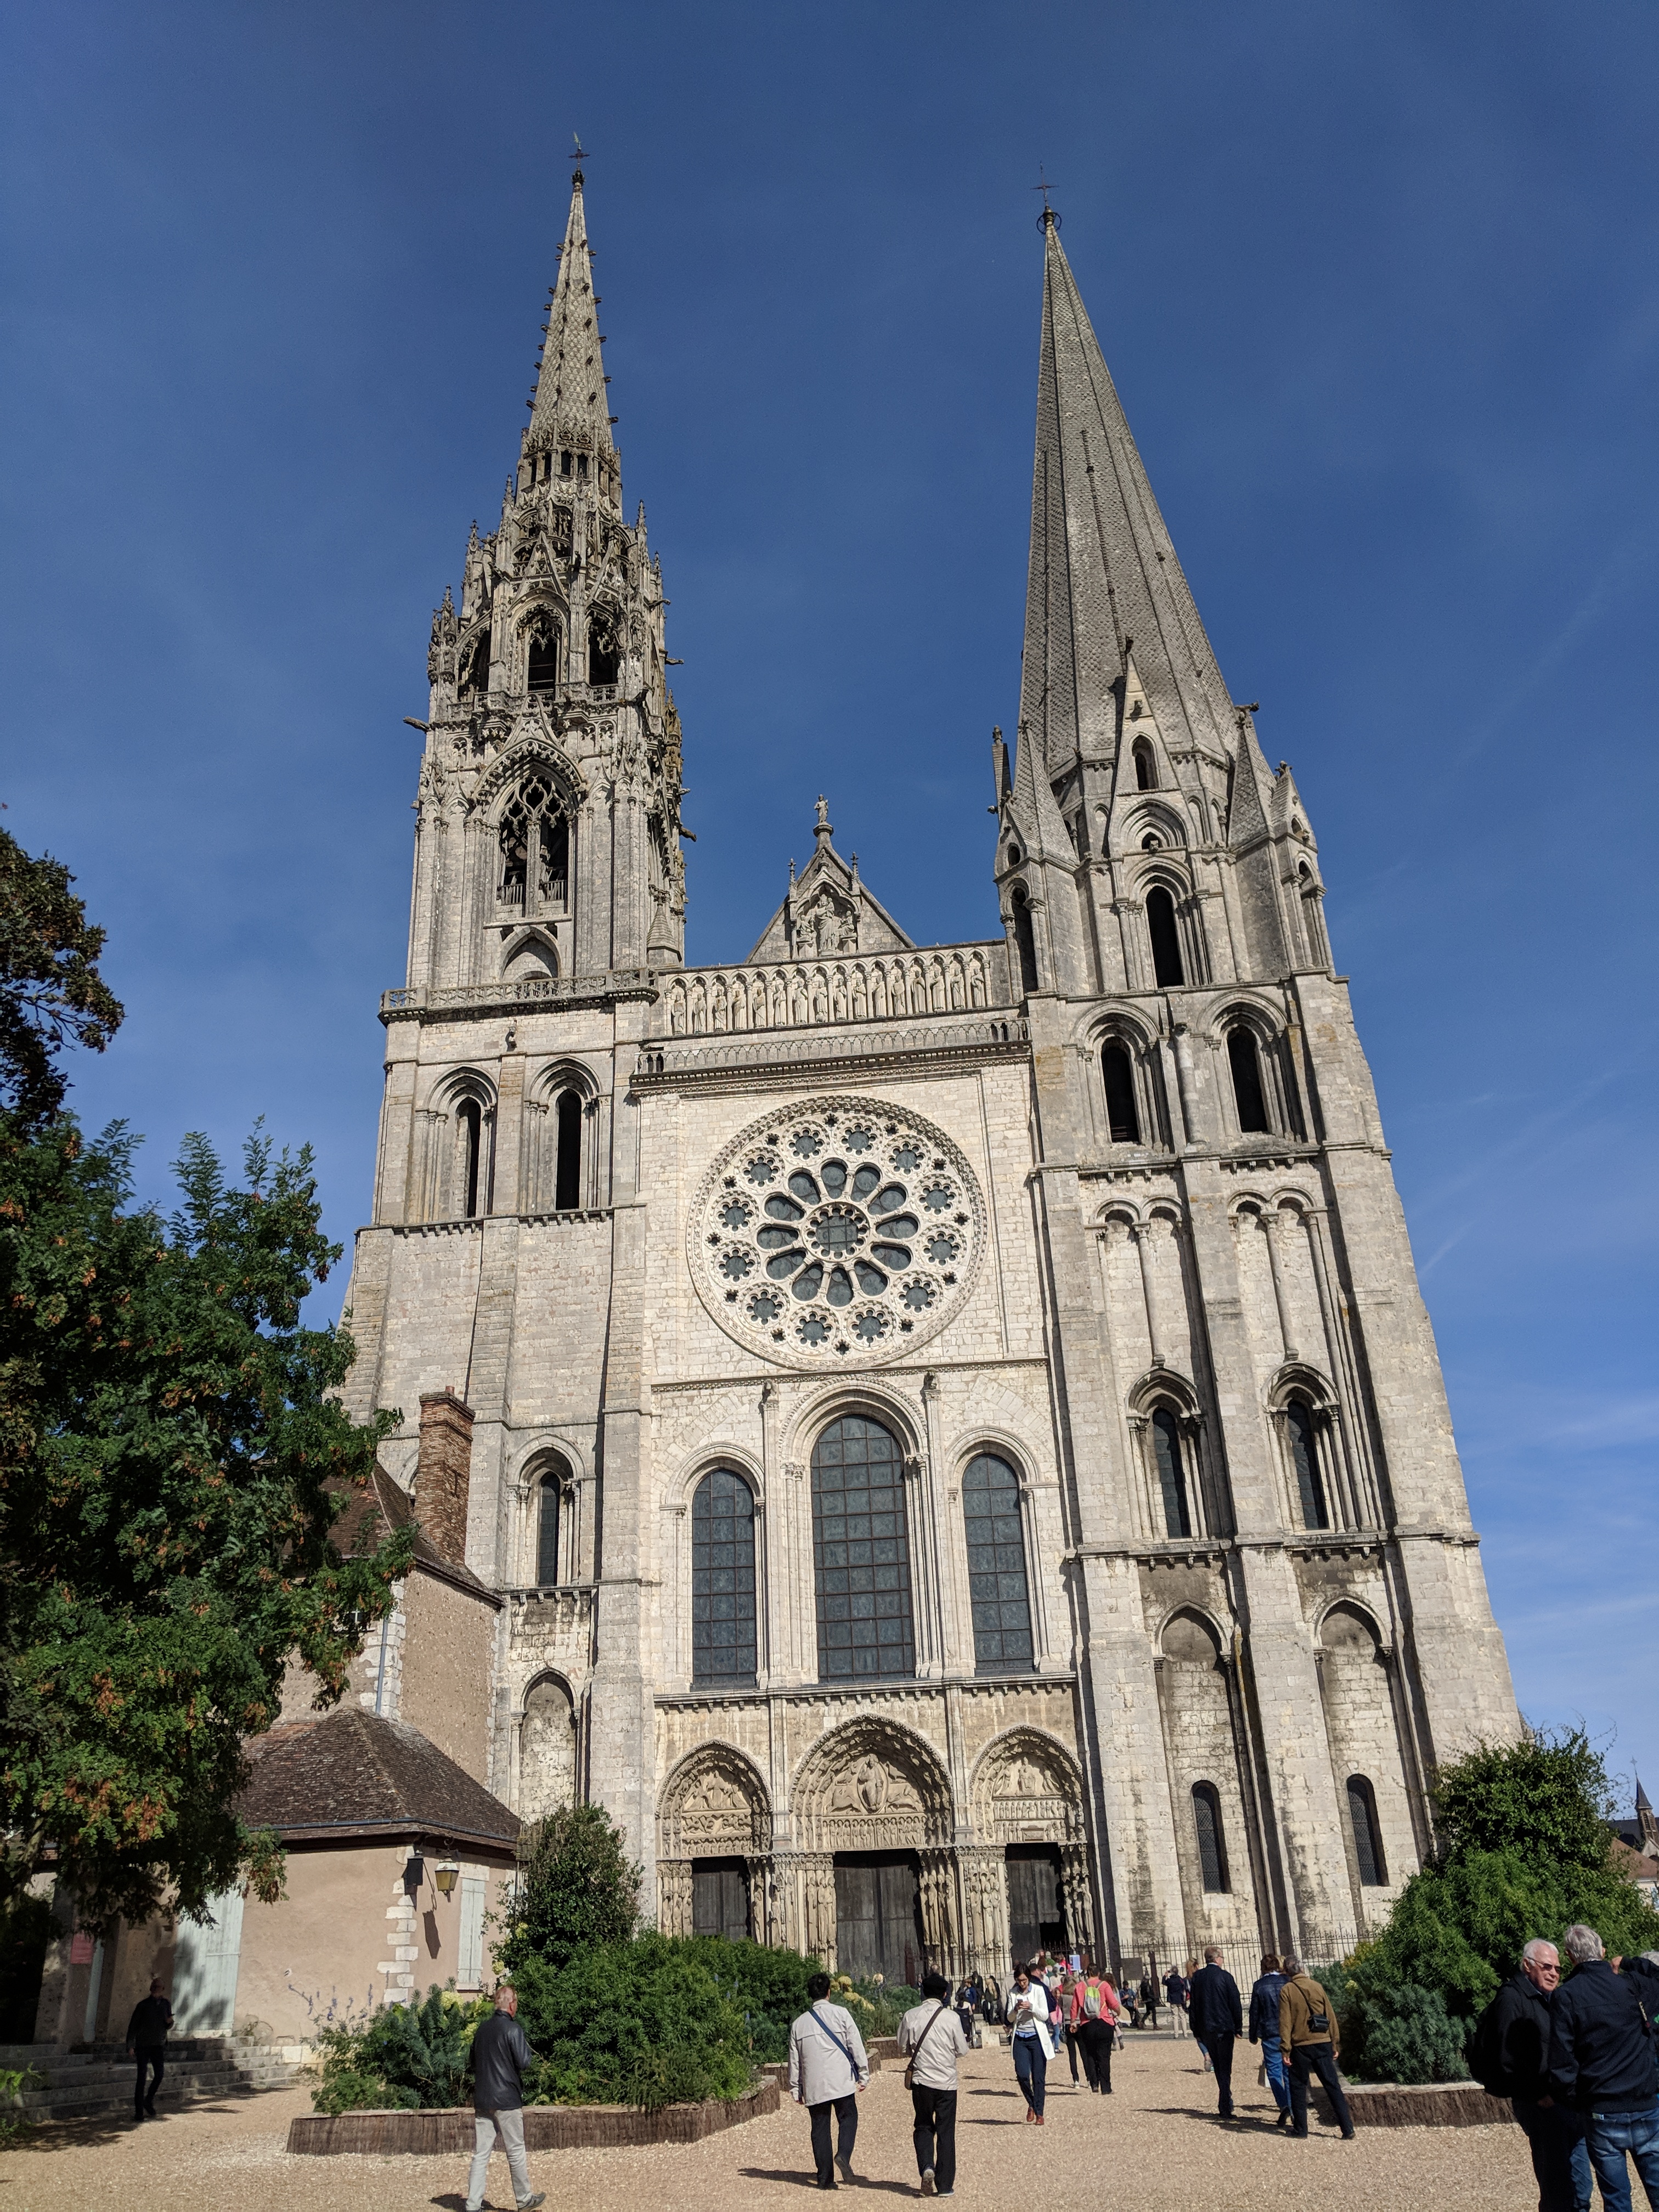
(1309, 2038)
(829, 2068)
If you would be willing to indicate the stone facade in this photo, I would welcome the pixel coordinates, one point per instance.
(1079, 1248)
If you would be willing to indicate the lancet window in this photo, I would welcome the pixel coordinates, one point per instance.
(542, 654)
(1304, 1463)
(535, 850)
(604, 651)
(1145, 765)
(1211, 1841)
(997, 1580)
(1171, 1474)
(1367, 1833)
(1168, 971)
(1117, 1072)
(861, 1553)
(723, 1624)
(1024, 938)
(1244, 1059)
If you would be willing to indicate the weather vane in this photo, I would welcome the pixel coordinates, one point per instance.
(580, 153)
(1048, 213)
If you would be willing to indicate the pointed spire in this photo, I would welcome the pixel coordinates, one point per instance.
(1101, 562)
(570, 409)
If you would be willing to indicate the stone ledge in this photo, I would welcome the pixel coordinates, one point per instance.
(1433, 2104)
(546, 2127)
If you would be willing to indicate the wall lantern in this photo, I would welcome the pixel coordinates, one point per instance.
(445, 1878)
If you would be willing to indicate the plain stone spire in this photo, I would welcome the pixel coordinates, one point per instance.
(1103, 571)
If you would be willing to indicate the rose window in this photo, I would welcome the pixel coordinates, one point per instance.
(838, 1234)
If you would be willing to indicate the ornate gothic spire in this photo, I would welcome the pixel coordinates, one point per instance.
(571, 408)
(1103, 568)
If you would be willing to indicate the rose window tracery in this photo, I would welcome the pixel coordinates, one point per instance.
(839, 1234)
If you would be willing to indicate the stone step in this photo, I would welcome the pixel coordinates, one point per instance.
(80, 2084)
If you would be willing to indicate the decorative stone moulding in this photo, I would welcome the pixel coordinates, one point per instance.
(836, 1233)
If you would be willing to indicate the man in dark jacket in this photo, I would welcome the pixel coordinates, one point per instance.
(1601, 2062)
(1264, 2030)
(147, 2042)
(1218, 2017)
(1511, 2056)
(500, 2055)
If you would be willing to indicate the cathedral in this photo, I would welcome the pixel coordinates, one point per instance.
(944, 1442)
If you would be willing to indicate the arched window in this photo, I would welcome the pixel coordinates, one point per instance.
(541, 661)
(469, 1121)
(1304, 1458)
(1171, 1474)
(1118, 1071)
(568, 1171)
(1167, 970)
(996, 1567)
(1024, 938)
(604, 653)
(1212, 1843)
(1146, 766)
(1367, 1834)
(555, 860)
(1312, 919)
(723, 1641)
(1246, 1064)
(861, 1553)
(476, 675)
(547, 1529)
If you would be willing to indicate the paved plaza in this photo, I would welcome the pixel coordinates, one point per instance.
(1156, 2145)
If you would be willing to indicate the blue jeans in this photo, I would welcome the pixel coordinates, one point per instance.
(1560, 2160)
(1610, 2136)
(1273, 2057)
(1032, 2069)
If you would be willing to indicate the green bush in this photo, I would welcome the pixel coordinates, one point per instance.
(576, 1888)
(644, 2023)
(400, 2057)
(768, 1987)
(1525, 1853)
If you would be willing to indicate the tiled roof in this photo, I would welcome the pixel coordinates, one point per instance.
(354, 1775)
(379, 1509)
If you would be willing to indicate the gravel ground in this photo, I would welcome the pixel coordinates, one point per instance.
(1159, 2132)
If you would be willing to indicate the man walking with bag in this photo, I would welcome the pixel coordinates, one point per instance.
(827, 2069)
(1264, 2030)
(932, 2034)
(1509, 2056)
(1217, 2021)
(1601, 2062)
(1310, 2037)
(501, 2052)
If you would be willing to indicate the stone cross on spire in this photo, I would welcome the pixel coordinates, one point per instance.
(571, 410)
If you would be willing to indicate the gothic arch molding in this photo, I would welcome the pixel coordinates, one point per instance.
(537, 750)
(733, 1458)
(533, 940)
(1026, 1787)
(713, 1805)
(875, 1401)
(869, 1785)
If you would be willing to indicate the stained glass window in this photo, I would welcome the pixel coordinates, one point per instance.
(996, 1567)
(861, 1553)
(1304, 1457)
(1211, 1844)
(723, 1579)
(1171, 1475)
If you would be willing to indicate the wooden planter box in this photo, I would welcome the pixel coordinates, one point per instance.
(546, 2127)
(1435, 2105)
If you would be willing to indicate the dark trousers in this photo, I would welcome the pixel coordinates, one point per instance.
(1032, 2070)
(846, 2109)
(1071, 2052)
(149, 2061)
(1560, 2158)
(1317, 2058)
(936, 2133)
(1097, 2037)
(1220, 2048)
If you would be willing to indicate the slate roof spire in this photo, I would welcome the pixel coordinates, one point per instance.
(571, 408)
(1102, 567)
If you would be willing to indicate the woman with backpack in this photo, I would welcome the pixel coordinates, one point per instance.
(1095, 2009)
(1059, 2019)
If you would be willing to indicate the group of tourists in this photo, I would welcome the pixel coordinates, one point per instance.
(1576, 2060)
(1292, 2020)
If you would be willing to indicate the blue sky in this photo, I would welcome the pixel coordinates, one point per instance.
(1379, 286)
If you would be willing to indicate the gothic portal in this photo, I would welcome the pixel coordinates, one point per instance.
(956, 1440)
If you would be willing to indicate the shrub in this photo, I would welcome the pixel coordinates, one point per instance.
(400, 2057)
(576, 1888)
(642, 2023)
(1411, 2036)
(768, 1986)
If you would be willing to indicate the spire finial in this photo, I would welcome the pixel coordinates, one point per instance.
(1049, 219)
(578, 155)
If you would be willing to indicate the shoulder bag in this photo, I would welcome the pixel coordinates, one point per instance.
(910, 2070)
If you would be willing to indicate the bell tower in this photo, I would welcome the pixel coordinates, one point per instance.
(548, 814)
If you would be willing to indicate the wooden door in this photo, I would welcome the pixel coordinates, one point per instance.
(719, 1898)
(878, 1917)
(1037, 1918)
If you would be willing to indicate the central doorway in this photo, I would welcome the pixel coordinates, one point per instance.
(1037, 1914)
(719, 1898)
(879, 1916)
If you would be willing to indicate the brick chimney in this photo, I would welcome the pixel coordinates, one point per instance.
(443, 1472)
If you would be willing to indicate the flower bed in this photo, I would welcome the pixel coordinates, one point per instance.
(546, 2127)
(1432, 2105)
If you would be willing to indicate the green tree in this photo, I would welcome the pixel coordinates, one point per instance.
(173, 1456)
(1547, 1798)
(50, 992)
(576, 1887)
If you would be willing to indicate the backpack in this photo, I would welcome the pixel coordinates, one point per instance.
(1092, 1999)
(1485, 2054)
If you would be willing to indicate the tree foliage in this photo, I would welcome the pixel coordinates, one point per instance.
(576, 1888)
(1524, 1853)
(173, 1455)
(50, 992)
(400, 2057)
